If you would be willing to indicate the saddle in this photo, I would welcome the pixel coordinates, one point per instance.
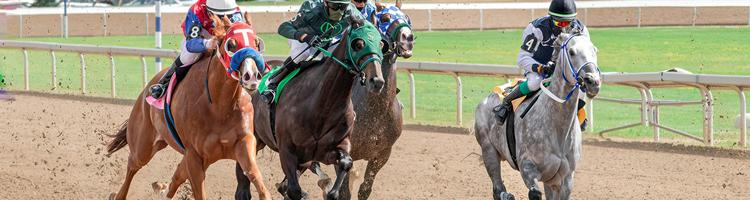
(264, 81)
(510, 131)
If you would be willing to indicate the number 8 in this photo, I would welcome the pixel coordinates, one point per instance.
(194, 31)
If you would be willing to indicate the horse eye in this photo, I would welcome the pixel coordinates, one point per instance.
(572, 53)
(358, 45)
(231, 45)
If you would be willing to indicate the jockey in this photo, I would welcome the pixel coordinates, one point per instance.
(198, 32)
(306, 31)
(366, 8)
(536, 50)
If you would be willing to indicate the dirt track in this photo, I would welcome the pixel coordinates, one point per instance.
(54, 149)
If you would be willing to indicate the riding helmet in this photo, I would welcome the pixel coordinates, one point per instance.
(563, 10)
(221, 7)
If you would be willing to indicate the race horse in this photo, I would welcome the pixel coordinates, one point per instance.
(378, 115)
(547, 139)
(314, 116)
(211, 111)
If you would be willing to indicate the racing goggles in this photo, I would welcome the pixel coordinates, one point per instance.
(337, 6)
(561, 23)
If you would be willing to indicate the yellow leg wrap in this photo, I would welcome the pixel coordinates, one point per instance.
(581, 115)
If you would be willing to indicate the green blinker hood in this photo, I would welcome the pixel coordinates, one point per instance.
(371, 37)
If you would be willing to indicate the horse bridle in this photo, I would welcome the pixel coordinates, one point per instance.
(579, 83)
(392, 32)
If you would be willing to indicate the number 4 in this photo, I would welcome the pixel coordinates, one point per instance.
(530, 44)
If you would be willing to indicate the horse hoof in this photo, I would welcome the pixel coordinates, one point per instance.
(112, 196)
(535, 195)
(332, 195)
(507, 196)
(159, 188)
(324, 184)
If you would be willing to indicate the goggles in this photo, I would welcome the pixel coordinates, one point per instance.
(337, 6)
(561, 23)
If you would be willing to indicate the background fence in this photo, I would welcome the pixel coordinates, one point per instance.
(643, 82)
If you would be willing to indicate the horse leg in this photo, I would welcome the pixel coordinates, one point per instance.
(243, 183)
(179, 177)
(567, 186)
(491, 158)
(196, 173)
(373, 167)
(343, 165)
(245, 152)
(324, 181)
(141, 151)
(345, 191)
(530, 175)
(289, 165)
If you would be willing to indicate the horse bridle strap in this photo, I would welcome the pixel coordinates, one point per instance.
(575, 72)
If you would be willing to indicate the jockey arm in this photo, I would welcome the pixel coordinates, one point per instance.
(290, 29)
(532, 38)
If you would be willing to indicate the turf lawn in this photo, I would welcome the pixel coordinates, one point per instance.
(712, 50)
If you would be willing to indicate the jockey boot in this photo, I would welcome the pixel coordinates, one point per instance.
(269, 94)
(502, 110)
(582, 115)
(157, 90)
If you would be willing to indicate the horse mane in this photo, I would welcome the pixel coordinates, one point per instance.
(221, 26)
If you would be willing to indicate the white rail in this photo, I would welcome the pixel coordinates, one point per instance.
(82, 50)
(644, 82)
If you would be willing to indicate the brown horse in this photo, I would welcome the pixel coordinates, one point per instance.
(212, 114)
(379, 121)
(315, 115)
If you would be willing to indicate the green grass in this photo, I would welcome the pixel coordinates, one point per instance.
(714, 50)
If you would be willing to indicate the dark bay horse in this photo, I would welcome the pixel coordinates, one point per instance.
(548, 138)
(212, 114)
(378, 122)
(315, 115)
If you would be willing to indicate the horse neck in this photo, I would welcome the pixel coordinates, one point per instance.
(223, 90)
(560, 114)
(336, 83)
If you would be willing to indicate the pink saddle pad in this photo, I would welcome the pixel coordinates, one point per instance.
(159, 103)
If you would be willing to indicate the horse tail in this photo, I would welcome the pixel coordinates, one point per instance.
(120, 139)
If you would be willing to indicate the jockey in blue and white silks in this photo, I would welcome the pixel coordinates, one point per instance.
(366, 8)
(396, 15)
(535, 54)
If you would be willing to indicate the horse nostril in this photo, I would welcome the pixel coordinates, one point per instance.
(246, 77)
(377, 82)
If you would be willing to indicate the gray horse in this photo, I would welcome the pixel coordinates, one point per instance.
(548, 140)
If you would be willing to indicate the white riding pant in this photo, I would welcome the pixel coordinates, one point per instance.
(186, 57)
(298, 48)
(533, 80)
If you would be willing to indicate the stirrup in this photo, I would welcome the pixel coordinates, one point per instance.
(157, 90)
(500, 112)
(268, 96)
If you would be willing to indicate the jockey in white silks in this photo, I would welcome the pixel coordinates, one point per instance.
(535, 54)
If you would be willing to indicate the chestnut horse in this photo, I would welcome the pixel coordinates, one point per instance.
(212, 114)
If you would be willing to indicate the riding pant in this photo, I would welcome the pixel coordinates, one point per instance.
(300, 48)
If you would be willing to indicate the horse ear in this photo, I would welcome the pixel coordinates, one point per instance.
(248, 19)
(379, 6)
(398, 4)
(356, 22)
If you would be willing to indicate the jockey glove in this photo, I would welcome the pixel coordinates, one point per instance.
(544, 69)
(312, 40)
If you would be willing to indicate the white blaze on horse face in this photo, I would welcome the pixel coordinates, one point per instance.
(245, 35)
